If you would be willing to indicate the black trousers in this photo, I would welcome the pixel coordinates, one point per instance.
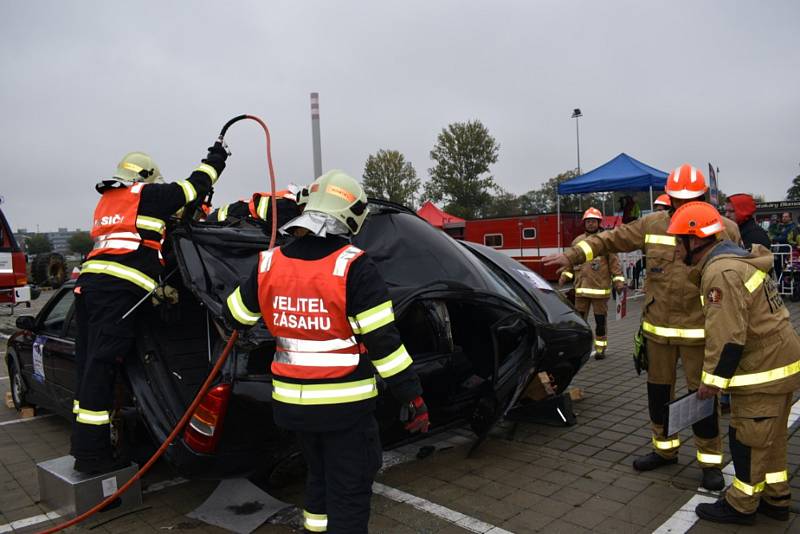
(342, 465)
(102, 343)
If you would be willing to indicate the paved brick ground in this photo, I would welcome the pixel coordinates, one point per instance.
(525, 478)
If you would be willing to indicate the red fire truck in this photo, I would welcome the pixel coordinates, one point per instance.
(14, 288)
(526, 238)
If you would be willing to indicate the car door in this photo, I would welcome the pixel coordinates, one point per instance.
(54, 350)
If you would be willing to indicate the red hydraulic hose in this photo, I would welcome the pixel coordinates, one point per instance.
(211, 376)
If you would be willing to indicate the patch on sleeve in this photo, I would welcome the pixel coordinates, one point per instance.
(714, 295)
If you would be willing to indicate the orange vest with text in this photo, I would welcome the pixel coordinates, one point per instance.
(115, 227)
(303, 303)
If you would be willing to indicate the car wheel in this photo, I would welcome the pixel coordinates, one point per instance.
(17, 385)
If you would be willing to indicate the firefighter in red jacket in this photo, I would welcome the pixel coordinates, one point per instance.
(330, 312)
(258, 208)
(128, 231)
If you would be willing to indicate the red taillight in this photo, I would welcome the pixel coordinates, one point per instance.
(205, 427)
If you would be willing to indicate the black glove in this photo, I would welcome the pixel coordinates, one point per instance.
(216, 157)
(415, 416)
(217, 151)
(640, 359)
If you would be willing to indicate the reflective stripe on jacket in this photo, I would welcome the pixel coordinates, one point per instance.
(672, 312)
(259, 203)
(751, 347)
(304, 306)
(593, 279)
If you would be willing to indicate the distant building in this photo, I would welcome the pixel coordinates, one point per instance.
(59, 239)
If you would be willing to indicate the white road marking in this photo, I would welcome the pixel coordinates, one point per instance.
(26, 420)
(685, 518)
(29, 521)
(457, 518)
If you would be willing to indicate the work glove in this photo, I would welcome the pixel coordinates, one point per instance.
(165, 294)
(640, 359)
(415, 416)
(216, 157)
(217, 151)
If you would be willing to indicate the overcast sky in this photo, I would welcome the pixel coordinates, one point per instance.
(685, 81)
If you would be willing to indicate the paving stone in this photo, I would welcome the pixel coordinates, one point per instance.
(618, 494)
(528, 521)
(571, 496)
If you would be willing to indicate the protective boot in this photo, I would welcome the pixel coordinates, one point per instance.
(97, 466)
(651, 461)
(600, 345)
(713, 479)
(722, 512)
(778, 513)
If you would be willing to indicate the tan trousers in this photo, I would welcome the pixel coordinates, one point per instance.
(661, 375)
(757, 438)
(600, 306)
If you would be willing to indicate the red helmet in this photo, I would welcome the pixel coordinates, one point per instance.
(663, 200)
(686, 182)
(699, 219)
(592, 213)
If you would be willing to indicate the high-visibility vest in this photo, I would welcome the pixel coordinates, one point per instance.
(303, 303)
(260, 202)
(116, 224)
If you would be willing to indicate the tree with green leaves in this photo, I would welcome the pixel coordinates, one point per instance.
(388, 175)
(80, 243)
(793, 193)
(38, 243)
(503, 204)
(460, 177)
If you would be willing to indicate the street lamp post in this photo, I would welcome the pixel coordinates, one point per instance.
(576, 114)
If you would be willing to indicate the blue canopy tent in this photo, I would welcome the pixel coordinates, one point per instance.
(623, 173)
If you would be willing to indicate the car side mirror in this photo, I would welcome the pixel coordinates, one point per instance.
(26, 322)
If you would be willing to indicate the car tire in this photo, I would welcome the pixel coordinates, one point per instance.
(17, 385)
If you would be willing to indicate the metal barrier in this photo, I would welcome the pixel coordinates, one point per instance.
(787, 270)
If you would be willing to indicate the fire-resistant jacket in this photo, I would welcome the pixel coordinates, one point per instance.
(330, 313)
(128, 228)
(751, 347)
(594, 278)
(258, 208)
(672, 312)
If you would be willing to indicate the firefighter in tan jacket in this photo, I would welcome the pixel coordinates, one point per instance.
(672, 319)
(753, 352)
(592, 282)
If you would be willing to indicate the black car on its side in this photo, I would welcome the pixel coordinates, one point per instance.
(477, 324)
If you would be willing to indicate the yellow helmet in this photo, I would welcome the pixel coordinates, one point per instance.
(138, 167)
(340, 196)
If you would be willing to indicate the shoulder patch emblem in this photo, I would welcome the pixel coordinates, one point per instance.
(714, 295)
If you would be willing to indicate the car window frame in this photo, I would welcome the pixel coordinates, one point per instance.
(52, 303)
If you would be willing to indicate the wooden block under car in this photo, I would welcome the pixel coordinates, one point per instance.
(575, 394)
(27, 411)
(541, 387)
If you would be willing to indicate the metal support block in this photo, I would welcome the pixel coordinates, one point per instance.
(68, 492)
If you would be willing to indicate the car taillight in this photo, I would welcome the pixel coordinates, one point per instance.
(205, 427)
(22, 280)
